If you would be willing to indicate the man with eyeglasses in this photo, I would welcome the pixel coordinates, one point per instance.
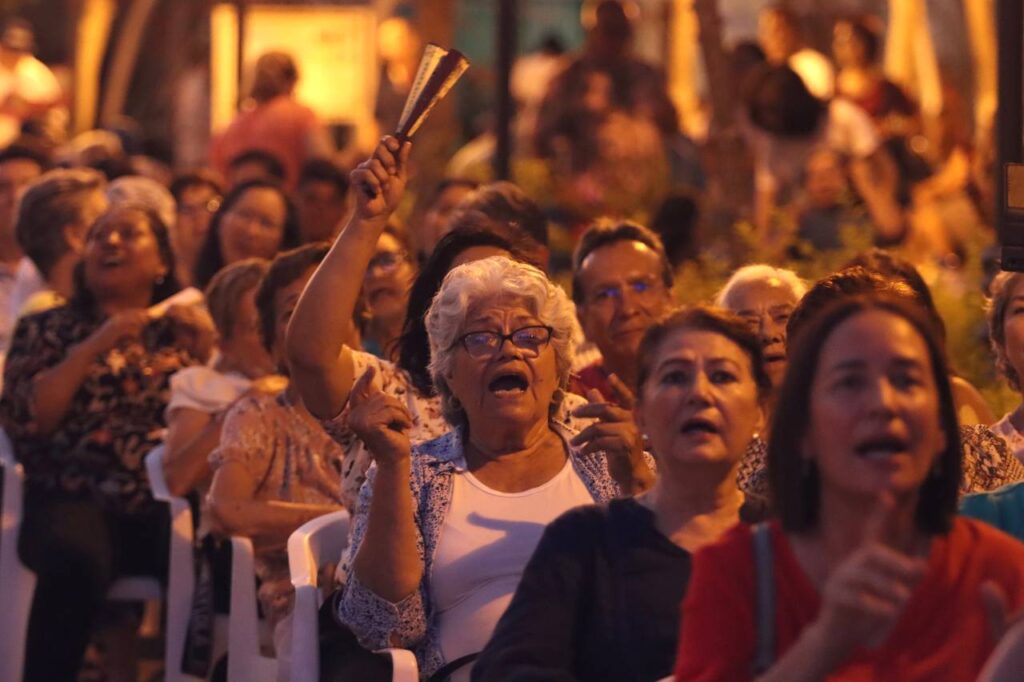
(621, 284)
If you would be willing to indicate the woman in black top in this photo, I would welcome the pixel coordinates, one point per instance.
(600, 597)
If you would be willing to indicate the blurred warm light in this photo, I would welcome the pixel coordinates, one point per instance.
(588, 12)
(92, 33)
(334, 48)
(396, 39)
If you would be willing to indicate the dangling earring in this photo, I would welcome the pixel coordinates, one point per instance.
(160, 280)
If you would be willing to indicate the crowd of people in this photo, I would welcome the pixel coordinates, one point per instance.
(589, 472)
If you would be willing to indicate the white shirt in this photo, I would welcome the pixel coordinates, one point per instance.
(815, 70)
(204, 389)
(28, 281)
(487, 538)
(31, 81)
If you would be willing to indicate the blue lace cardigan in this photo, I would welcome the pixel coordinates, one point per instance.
(410, 623)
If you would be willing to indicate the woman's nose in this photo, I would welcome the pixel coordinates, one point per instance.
(881, 396)
(700, 389)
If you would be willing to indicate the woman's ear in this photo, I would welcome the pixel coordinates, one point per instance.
(762, 419)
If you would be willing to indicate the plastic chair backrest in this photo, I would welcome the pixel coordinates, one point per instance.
(245, 664)
(180, 570)
(17, 583)
(315, 543)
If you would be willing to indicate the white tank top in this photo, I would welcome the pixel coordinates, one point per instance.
(482, 550)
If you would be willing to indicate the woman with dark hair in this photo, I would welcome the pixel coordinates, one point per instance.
(385, 294)
(85, 389)
(868, 573)
(255, 220)
(600, 597)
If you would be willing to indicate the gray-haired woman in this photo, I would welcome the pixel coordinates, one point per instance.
(443, 530)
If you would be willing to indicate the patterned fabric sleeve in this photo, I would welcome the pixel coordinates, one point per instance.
(245, 438)
(987, 463)
(376, 622)
(37, 346)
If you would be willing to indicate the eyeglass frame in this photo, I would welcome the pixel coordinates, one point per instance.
(502, 338)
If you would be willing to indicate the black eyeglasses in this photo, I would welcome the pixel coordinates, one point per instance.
(386, 261)
(531, 340)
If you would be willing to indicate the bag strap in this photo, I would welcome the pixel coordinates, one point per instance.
(764, 652)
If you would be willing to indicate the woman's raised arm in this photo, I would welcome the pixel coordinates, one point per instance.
(320, 362)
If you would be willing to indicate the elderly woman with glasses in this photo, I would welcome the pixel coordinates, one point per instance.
(443, 530)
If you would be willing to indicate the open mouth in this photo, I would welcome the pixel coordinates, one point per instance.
(698, 425)
(508, 384)
(774, 357)
(881, 448)
(112, 261)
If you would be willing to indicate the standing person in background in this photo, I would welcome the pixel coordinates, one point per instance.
(19, 166)
(27, 86)
(197, 196)
(321, 200)
(272, 120)
(778, 31)
(54, 214)
(622, 284)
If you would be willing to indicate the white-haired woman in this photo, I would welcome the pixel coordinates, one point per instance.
(765, 296)
(443, 530)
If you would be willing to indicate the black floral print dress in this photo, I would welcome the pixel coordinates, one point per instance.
(116, 417)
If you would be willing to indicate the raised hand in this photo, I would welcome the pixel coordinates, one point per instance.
(616, 434)
(381, 179)
(118, 327)
(865, 595)
(380, 420)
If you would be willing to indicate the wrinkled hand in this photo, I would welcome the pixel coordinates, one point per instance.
(380, 421)
(117, 328)
(865, 595)
(193, 329)
(617, 435)
(381, 179)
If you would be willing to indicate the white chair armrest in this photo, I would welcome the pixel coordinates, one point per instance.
(314, 543)
(403, 665)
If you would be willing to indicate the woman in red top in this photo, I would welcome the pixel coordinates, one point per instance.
(875, 578)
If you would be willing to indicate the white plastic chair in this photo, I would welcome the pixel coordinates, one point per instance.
(314, 544)
(245, 663)
(17, 583)
(180, 569)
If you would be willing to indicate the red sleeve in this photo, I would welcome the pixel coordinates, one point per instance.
(716, 643)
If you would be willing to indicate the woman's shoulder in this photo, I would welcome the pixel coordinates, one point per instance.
(984, 542)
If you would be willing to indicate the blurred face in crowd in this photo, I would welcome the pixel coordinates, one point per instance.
(699, 405)
(777, 36)
(244, 346)
(435, 220)
(826, 181)
(766, 305)
(387, 280)
(321, 208)
(848, 47)
(622, 295)
(196, 206)
(874, 422)
(1013, 329)
(15, 175)
(122, 254)
(513, 380)
(285, 300)
(597, 98)
(254, 226)
(93, 204)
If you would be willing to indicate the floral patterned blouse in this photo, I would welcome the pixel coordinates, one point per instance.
(293, 460)
(987, 464)
(425, 411)
(412, 623)
(116, 417)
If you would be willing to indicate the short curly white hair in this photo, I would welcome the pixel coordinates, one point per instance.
(496, 278)
(760, 272)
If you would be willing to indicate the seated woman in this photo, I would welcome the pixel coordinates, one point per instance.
(874, 575)
(255, 220)
(323, 362)
(201, 395)
(1005, 314)
(385, 294)
(85, 389)
(433, 567)
(600, 597)
(275, 467)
